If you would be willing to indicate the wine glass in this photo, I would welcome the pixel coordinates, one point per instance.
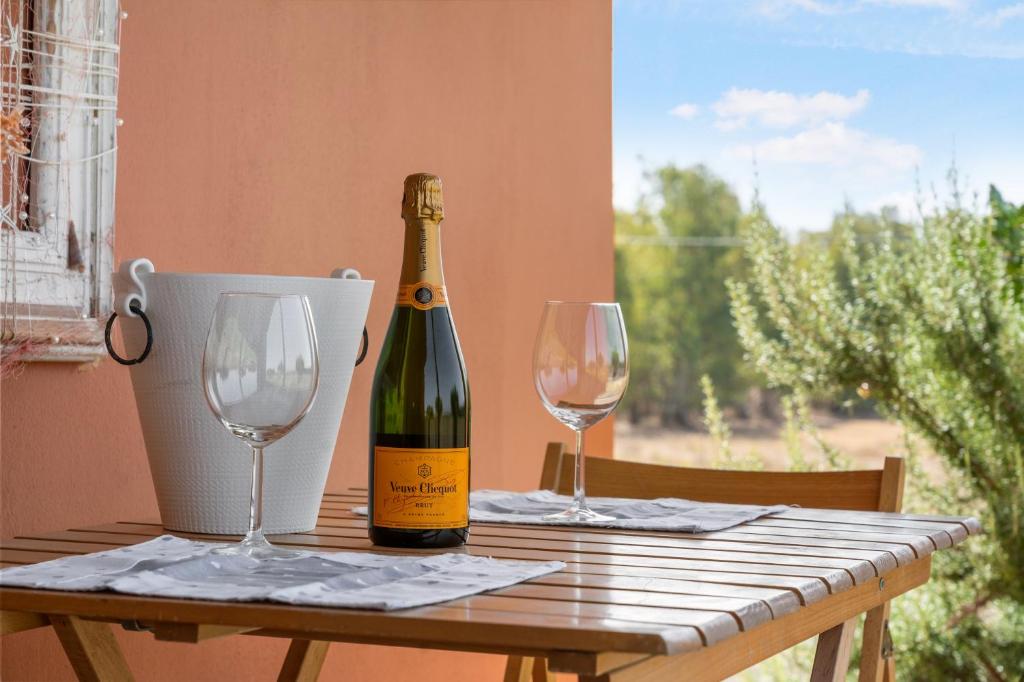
(260, 374)
(580, 370)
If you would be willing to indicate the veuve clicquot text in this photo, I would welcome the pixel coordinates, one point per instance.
(419, 412)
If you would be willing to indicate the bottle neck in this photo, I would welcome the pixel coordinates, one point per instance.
(421, 284)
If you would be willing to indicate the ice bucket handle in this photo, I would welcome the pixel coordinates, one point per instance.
(129, 288)
(352, 273)
(130, 301)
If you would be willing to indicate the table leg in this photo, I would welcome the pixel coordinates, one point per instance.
(876, 658)
(832, 658)
(304, 660)
(541, 672)
(91, 649)
(890, 669)
(527, 669)
(517, 669)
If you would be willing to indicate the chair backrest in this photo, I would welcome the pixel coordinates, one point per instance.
(868, 490)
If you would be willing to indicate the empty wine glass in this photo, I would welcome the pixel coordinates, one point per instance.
(260, 375)
(580, 370)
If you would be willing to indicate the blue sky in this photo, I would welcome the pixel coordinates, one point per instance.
(836, 100)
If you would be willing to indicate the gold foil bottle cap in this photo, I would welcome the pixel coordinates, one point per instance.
(422, 197)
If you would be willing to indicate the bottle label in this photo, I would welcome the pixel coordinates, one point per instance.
(421, 488)
(422, 295)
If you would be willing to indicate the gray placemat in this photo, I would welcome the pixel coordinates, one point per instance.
(168, 566)
(665, 514)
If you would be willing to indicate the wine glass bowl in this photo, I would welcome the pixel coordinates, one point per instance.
(260, 377)
(581, 370)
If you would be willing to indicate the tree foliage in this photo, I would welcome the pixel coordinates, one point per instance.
(671, 268)
(931, 320)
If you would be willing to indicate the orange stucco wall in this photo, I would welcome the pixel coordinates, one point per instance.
(273, 137)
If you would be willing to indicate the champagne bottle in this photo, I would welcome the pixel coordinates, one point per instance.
(419, 412)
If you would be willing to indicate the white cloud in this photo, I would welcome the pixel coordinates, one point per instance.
(933, 4)
(782, 8)
(999, 17)
(778, 8)
(833, 144)
(737, 107)
(685, 111)
(727, 125)
(975, 49)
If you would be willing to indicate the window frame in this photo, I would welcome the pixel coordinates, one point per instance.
(56, 290)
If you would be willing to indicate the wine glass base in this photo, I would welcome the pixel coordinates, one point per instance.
(256, 550)
(581, 515)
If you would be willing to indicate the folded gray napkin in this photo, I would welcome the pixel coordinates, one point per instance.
(666, 513)
(168, 566)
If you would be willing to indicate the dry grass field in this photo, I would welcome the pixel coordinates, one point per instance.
(865, 441)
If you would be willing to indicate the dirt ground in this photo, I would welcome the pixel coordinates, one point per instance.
(865, 441)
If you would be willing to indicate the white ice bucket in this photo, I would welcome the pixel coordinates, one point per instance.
(200, 471)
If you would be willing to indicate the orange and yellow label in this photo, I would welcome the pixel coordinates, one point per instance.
(421, 488)
(422, 295)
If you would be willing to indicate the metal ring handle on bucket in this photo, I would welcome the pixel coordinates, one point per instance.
(134, 307)
(365, 348)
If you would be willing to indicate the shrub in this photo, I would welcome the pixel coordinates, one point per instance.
(930, 325)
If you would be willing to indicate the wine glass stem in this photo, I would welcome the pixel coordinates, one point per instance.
(255, 534)
(579, 485)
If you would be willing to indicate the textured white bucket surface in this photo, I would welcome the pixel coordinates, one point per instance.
(201, 472)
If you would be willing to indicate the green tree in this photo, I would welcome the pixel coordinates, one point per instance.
(866, 230)
(932, 321)
(673, 256)
(862, 231)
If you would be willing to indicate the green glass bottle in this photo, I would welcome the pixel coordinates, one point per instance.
(419, 411)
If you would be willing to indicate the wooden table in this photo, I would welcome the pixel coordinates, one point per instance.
(630, 605)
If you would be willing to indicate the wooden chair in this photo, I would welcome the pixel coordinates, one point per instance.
(871, 490)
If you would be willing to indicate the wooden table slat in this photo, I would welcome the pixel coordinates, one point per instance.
(920, 545)
(938, 539)
(883, 559)
(902, 552)
(956, 531)
(714, 627)
(17, 557)
(809, 590)
(969, 523)
(745, 612)
(778, 601)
